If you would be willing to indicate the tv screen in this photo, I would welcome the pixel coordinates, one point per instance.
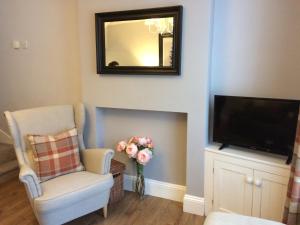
(258, 123)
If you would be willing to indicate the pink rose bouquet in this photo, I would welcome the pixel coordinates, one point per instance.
(140, 149)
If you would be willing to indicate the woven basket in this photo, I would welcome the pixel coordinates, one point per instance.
(117, 192)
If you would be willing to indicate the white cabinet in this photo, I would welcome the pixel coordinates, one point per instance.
(229, 184)
(245, 182)
(269, 195)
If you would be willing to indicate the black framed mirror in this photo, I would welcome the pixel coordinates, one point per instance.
(146, 41)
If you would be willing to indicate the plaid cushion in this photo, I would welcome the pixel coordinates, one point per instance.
(55, 155)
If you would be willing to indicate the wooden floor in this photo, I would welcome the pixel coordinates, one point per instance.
(15, 210)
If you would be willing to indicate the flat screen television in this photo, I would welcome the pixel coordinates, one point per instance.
(262, 124)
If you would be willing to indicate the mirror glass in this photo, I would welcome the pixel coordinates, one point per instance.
(142, 42)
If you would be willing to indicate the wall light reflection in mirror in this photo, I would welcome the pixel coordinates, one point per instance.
(150, 60)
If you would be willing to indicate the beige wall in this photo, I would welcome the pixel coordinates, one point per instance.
(48, 71)
(187, 93)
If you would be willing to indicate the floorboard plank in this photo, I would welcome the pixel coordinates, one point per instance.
(15, 209)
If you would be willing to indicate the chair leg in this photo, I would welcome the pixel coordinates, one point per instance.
(105, 211)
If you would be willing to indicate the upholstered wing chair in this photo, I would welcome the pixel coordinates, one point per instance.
(65, 197)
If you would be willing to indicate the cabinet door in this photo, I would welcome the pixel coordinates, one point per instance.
(232, 188)
(269, 195)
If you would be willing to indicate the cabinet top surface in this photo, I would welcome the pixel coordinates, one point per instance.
(248, 154)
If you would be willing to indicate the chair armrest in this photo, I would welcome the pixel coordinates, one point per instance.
(97, 160)
(29, 178)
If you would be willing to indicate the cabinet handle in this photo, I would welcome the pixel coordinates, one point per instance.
(249, 180)
(258, 182)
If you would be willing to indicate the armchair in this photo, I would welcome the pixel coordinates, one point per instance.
(69, 196)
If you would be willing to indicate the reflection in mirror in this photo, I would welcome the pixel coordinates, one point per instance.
(166, 50)
(142, 42)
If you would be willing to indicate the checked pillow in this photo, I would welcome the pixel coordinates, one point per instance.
(55, 155)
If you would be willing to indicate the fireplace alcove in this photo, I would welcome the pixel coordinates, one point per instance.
(167, 129)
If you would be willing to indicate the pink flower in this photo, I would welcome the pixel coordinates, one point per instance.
(143, 141)
(150, 145)
(134, 140)
(144, 156)
(121, 146)
(131, 150)
(149, 140)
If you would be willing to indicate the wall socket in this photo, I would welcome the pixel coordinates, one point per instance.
(16, 44)
(24, 44)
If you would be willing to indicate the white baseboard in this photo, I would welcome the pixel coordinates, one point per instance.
(193, 204)
(157, 188)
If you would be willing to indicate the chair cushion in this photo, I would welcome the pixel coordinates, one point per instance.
(69, 189)
(55, 155)
(220, 218)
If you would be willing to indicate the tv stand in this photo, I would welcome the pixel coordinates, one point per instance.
(223, 146)
(247, 178)
(289, 159)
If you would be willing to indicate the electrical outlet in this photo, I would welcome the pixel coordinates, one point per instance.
(24, 44)
(16, 44)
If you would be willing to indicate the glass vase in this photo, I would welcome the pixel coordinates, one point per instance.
(140, 181)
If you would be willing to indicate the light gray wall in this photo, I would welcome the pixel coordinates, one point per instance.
(187, 93)
(256, 48)
(168, 130)
(48, 71)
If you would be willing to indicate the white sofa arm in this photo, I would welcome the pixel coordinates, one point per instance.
(97, 160)
(29, 178)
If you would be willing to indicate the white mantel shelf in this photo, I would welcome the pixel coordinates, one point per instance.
(250, 155)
